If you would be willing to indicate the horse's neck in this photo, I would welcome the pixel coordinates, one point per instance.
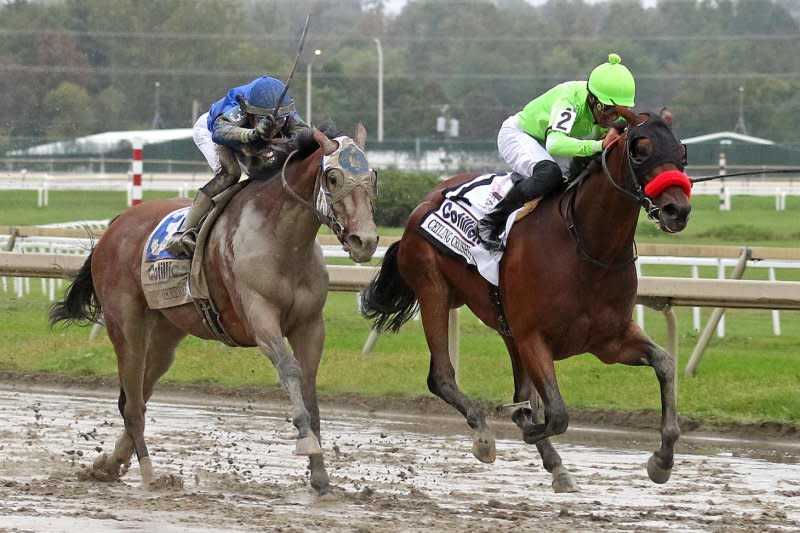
(282, 216)
(298, 222)
(605, 218)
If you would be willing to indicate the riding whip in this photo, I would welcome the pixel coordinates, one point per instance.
(748, 173)
(294, 66)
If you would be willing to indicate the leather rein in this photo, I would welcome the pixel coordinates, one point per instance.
(635, 194)
(323, 209)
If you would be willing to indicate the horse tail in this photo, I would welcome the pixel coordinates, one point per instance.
(80, 306)
(388, 301)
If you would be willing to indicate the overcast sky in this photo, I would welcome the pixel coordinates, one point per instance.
(393, 7)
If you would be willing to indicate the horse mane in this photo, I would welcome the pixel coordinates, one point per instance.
(580, 163)
(305, 143)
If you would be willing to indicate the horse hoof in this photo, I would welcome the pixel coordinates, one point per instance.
(308, 446)
(146, 470)
(657, 473)
(167, 481)
(326, 496)
(483, 447)
(562, 481)
(101, 470)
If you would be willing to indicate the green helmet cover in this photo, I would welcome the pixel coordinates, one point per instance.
(612, 83)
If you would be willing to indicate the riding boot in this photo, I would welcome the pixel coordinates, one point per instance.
(184, 242)
(545, 179)
(493, 223)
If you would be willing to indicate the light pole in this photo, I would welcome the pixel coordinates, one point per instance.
(380, 89)
(308, 85)
(157, 122)
(740, 127)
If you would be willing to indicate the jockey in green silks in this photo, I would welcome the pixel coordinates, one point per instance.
(571, 119)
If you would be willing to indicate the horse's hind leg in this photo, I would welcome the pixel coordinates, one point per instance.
(528, 418)
(307, 344)
(636, 348)
(140, 363)
(434, 310)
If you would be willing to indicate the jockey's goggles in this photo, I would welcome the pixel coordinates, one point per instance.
(261, 113)
(605, 109)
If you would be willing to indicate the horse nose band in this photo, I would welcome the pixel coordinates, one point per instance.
(666, 179)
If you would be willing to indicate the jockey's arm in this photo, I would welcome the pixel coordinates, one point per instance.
(559, 144)
(232, 134)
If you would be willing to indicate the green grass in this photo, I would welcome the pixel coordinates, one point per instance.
(748, 376)
(752, 221)
(19, 207)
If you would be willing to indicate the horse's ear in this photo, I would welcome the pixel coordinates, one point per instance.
(361, 136)
(666, 115)
(630, 116)
(328, 146)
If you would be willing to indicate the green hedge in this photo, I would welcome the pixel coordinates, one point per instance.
(399, 193)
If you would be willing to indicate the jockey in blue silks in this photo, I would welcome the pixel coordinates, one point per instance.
(245, 129)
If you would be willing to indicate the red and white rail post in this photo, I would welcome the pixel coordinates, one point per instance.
(136, 170)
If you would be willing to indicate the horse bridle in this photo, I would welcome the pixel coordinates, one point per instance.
(324, 199)
(634, 192)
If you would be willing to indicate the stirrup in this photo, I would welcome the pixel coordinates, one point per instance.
(489, 236)
(182, 243)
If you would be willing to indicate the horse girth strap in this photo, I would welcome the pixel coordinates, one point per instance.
(198, 287)
(497, 303)
(213, 321)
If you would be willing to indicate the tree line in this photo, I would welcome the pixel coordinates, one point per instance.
(76, 67)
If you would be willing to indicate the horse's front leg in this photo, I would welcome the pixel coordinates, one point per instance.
(442, 379)
(636, 348)
(269, 339)
(527, 418)
(307, 341)
(536, 358)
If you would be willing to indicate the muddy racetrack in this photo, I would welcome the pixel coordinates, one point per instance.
(393, 471)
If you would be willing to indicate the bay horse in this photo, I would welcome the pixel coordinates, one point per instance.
(567, 285)
(265, 273)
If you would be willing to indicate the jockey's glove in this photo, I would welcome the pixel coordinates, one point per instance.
(264, 130)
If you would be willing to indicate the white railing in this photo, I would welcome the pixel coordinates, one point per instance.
(659, 293)
(184, 183)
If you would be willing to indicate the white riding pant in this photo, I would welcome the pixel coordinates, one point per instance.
(203, 141)
(518, 149)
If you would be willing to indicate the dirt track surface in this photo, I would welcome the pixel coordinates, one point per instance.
(392, 472)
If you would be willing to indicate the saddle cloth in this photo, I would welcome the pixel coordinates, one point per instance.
(453, 226)
(165, 278)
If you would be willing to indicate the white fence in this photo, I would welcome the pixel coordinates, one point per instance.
(185, 183)
(82, 246)
(659, 293)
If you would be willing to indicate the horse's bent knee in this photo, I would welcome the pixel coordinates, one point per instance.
(557, 422)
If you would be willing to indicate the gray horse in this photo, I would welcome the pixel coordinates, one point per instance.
(266, 277)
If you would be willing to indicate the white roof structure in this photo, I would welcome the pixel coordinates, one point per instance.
(102, 143)
(726, 136)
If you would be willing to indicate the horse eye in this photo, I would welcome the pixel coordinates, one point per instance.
(335, 177)
(641, 151)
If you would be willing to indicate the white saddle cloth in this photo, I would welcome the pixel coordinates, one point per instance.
(453, 227)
